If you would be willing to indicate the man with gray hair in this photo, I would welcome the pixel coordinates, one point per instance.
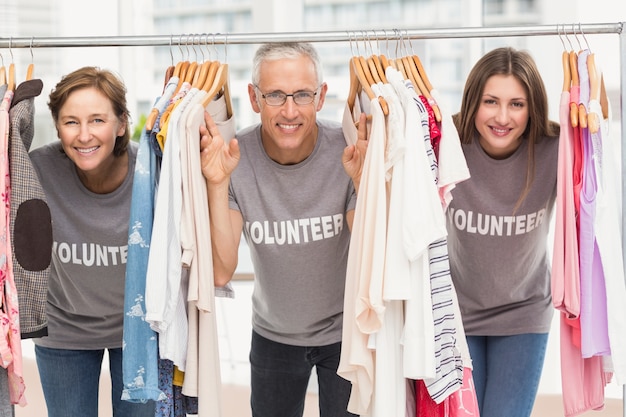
(289, 184)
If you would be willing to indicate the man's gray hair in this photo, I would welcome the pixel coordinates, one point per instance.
(282, 50)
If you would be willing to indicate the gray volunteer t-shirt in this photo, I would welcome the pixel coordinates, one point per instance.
(90, 231)
(498, 256)
(295, 225)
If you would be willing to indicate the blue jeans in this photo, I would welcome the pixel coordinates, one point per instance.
(280, 376)
(506, 372)
(70, 380)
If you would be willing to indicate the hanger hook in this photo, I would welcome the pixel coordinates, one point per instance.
(206, 43)
(10, 47)
(187, 47)
(386, 41)
(194, 42)
(188, 41)
(584, 37)
(171, 53)
(408, 46)
(558, 32)
(226, 47)
(200, 46)
(180, 48)
(362, 39)
(371, 34)
(399, 44)
(369, 41)
(412, 50)
(377, 42)
(350, 42)
(32, 57)
(571, 46)
(217, 53)
(193, 47)
(580, 47)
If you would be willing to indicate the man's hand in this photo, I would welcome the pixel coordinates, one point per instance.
(218, 159)
(353, 156)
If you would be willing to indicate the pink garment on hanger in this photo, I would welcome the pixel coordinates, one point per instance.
(582, 380)
(11, 347)
(565, 262)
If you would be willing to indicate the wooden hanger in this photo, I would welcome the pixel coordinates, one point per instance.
(219, 84)
(384, 62)
(377, 69)
(593, 120)
(355, 86)
(422, 71)
(3, 75)
(169, 73)
(183, 71)
(573, 107)
(380, 68)
(426, 87)
(360, 76)
(180, 70)
(152, 117)
(31, 67)
(11, 76)
(366, 70)
(373, 69)
(191, 72)
(413, 75)
(29, 71)
(154, 112)
(11, 82)
(199, 81)
(582, 109)
(567, 74)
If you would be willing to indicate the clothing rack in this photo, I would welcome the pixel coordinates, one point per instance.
(360, 36)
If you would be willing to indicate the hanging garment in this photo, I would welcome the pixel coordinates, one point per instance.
(583, 380)
(203, 367)
(166, 282)
(389, 396)
(463, 403)
(449, 363)
(31, 224)
(140, 359)
(182, 312)
(565, 279)
(609, 214)
(364, 260)
(411, 227)
(452, 167)
(10, 342)
(175, 404)
(593, 315)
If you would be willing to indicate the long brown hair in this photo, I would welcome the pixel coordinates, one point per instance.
(105, 82)
(519, 64)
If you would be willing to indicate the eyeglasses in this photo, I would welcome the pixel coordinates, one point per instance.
(278, 98)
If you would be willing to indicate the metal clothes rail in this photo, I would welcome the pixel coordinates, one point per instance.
(329, 36)
(361, 35)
